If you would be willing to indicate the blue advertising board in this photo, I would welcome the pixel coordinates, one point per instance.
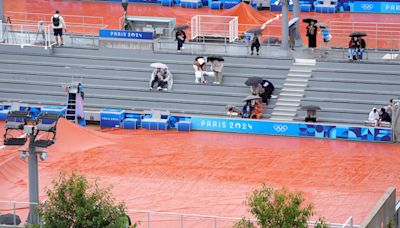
(122, 34)
(376, 7)
(291, 129)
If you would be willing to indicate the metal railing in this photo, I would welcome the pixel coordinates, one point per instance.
(20, 209)
(379, 35)
(172, 219)
(27, 17)
(25, 35)
(162, 219)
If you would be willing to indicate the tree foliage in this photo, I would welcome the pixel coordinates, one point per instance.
(278, 208)
(74, 202)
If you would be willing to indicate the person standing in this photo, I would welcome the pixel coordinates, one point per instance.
(312, 35)
(58, 26)
(216, 67)
(180, 37)
(292, 36)
(255, 43)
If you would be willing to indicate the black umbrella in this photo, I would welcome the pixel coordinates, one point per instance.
(309, 19)
(255, 31)
(267, 84)
(212, 58)
(181, 27)
(8, 219)
(358, 34)
(253, 81)
(310, 107)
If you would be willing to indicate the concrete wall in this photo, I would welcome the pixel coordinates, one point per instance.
(383, 211)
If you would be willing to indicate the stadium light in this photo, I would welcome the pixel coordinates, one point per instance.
(125, 5)
(45, 122)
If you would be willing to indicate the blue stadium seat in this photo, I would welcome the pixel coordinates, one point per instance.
(217, 5)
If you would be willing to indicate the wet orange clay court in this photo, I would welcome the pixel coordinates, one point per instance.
(382, 29)
(211, 173)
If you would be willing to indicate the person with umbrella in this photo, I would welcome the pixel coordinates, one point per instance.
(261, 87)
(253, 108)
(361, 45)
(352, 48)
(292, 32)
(311, 32)
(216, 67)
(199, 67)
(255, 43)
(180, 36)
(161, 77)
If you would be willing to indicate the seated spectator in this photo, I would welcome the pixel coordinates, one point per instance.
(233, 111)
(258, 110)
(247, 109)
(162, 78)
(352, 49)
(389, 108)
(360, 47)
(384, 116)
(374, 117)
(264, 90)
(199, 67)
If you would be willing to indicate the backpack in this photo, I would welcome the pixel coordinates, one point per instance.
(56, 20)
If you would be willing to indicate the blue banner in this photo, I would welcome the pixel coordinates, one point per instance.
(291, 129)
(244, 126)
(122, 34)
(376, 7)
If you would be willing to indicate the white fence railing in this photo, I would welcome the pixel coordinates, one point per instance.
(25, 35)
(27, 17)
(153, 219)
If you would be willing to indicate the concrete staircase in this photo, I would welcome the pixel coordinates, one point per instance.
(293, 90)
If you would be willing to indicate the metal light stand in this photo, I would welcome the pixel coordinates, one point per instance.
(47, 122)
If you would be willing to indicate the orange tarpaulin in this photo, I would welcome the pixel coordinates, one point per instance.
(246, 14)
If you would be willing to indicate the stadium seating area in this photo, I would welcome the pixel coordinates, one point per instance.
(116, 78)
(120, 78)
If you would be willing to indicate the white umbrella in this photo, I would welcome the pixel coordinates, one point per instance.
(292, 21)
(159, 65)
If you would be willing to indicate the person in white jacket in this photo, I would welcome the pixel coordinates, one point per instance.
(374, 117)
(199, 67)
(58, 26)
(163, 78)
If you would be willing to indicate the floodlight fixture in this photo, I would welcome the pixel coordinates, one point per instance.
(125, 5)
(23, 154)
(15, 121)
(43, 155)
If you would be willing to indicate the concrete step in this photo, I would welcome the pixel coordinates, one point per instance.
(296, 90)
(305, 61)
(299, 74)
(285, 103)
(289, 99)
(279, 118)
(286, 109)
(304, 64)
(294, 85)
(300, 70)
(284, 114)
(290, 94)
(300, 80)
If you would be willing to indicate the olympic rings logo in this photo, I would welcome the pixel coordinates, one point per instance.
(280, 128)
(366, 6)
